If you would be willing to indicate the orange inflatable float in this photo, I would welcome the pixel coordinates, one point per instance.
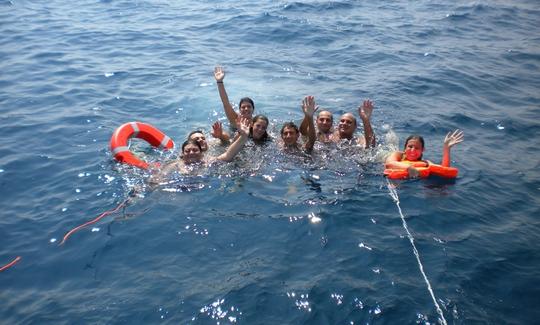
(424, 171)
(121, 136)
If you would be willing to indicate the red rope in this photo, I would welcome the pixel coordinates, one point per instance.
(104, 214)
(10, 264)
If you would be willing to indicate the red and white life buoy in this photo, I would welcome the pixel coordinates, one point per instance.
(147, 132)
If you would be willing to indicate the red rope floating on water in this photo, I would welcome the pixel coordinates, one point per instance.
(10, 264)
(104, 214)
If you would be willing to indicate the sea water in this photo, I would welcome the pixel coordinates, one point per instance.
(269, 239)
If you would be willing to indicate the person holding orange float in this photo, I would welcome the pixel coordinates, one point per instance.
(409, 163)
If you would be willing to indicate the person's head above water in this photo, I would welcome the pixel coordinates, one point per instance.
(198, 136)
(414, 148)
(324, 121)
(258, 128)
(289, 134)
(191, 152)
(347, 126)
(246, 106)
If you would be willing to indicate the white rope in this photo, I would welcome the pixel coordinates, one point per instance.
(394, 195)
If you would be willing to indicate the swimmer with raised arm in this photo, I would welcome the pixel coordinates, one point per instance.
(414, 149)
(324, 123)
(290, 133)
(247, 106)
(217, 132)
(198, 136)
(192, 154)
(347, 126)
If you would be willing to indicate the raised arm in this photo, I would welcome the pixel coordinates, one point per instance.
(304, 126)
(243, 131)
(451, 139)
(218, 133)
(365, 114)
(305, 123)
(308, 107)
(219, 74)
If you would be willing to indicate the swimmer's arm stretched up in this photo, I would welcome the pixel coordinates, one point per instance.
(219, 74)
(218, 133)
(305, 124)
(451, 139)
(365, 114)
(308, 107)
(243, 131)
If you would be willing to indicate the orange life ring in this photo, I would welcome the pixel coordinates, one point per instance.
(121, 136)
(423, 171)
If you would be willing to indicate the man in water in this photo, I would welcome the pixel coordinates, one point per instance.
(347, 125)
(198, 136)
(290, 132)
(217, 132)
(324, 122)
(246, 105)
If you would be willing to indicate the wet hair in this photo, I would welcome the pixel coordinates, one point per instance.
(289, 125)
(193, 132)
(249, 100)
(414, 137)
(265, 135)
(190, 141)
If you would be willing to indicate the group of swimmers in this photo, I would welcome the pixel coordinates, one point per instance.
(254, 128)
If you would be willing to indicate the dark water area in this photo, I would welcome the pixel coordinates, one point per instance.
(270, 239)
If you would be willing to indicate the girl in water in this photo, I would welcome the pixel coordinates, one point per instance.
(257, 131)
(411, 156)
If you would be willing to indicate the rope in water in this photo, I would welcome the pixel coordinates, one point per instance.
(10, 264)
(394, 195)
(104, 214)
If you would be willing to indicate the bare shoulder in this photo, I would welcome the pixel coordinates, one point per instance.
(170, 167)
(395, 156)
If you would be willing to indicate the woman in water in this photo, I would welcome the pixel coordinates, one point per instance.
(414, 148)
(257, 130)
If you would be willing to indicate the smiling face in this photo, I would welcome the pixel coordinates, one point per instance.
(413, 149)
(324, 121)
(347, 126)
(246, 108)
(201, 139)
(191, 153)
(289, 135)
(259, 129)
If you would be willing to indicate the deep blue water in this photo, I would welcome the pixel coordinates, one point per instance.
(269, 239)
